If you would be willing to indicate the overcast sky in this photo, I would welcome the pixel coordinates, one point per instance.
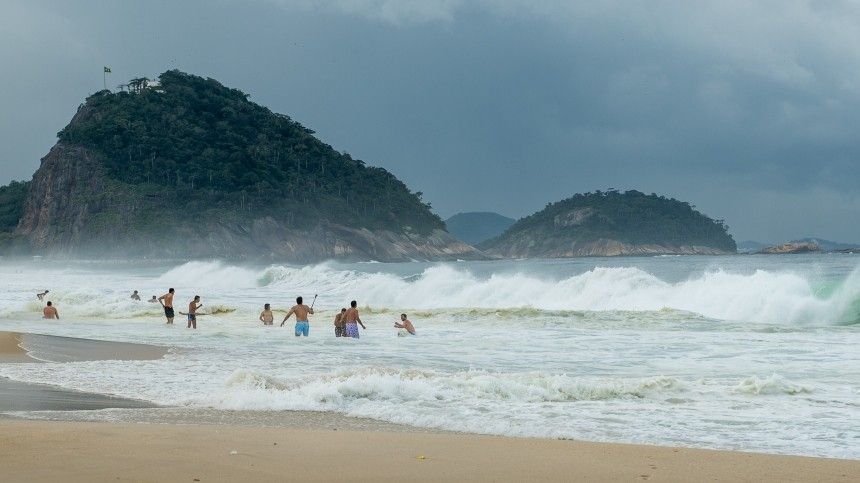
(749, 110)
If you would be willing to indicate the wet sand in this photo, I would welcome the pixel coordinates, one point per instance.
(34, 348)
(91, 452)
(10, 348)
(51, 348)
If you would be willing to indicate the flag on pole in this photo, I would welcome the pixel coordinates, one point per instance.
(107, 70)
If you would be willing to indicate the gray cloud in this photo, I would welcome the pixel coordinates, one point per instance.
(747, 109)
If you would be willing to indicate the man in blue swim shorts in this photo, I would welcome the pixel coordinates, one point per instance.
(301, 310)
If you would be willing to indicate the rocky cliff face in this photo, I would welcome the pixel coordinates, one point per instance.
(792, 247)
(74, 209)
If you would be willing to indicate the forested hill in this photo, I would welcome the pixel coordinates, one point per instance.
(208, 141)
(188, 167)
(613, 223)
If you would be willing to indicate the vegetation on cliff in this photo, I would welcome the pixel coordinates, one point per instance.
(196, 145)
(629, 217)
(12, 198)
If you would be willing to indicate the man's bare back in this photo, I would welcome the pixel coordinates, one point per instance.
(50, 312)
(301, 312)
(166, 300)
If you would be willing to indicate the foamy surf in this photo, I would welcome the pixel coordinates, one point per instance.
(679, 351)
(763, 296)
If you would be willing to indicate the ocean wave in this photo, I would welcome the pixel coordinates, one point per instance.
(247, 389)
(772, 385)
(762, 296)
(88, 303)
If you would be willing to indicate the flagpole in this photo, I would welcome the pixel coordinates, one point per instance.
(104, 78)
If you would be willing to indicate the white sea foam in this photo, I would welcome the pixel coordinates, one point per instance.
(677, 350)
(762, 296)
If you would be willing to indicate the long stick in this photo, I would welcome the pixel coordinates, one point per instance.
(314, 301)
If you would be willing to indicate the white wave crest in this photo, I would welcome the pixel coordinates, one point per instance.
(253, 390)
(772, 385)
(762, 296)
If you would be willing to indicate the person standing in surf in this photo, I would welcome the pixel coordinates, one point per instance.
(353, 320)
(338, 323)
(301, 310)
(135, 296)
(266, 316)
(405, 325)
(192, 312)
(166, 301)
(50, 312)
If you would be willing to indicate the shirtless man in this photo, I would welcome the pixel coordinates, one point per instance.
(153, 300)
(301, 310)
(135, 296)
(405, 324)
(41, 296)
(192, 312)
(266, 316)
(166, 301)
(338, 323)
(352, 319)
(50, 312)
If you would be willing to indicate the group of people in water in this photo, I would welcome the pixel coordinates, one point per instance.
(346, 322)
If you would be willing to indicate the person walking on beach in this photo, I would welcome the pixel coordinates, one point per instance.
(166, 301)
(266, 316)
(41, 296)
(301, 310)
(338, 323)
(135, 296)
(353, 320)
(405, 325)
(192, 312)
(50, 312)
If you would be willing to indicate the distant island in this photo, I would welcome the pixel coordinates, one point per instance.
(809, 245)
(476, 227)
(186, 167)
(613, 223)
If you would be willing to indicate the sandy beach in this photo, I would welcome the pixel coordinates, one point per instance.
(89, 452)
(66, 441)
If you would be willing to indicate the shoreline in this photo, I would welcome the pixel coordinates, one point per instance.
(102, 436)
(167, 452)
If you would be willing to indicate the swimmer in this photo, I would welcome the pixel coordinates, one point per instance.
(301, 310)
(338, 324)
(352, 321)
(405, 324)
(135, 296)
(192, 312)
(50, 312)
(41, 296)
(166, 301)
(266, 316)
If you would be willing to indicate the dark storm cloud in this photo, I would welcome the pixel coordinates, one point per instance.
(747, 109)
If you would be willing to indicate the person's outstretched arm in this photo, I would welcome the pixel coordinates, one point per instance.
(288, 316)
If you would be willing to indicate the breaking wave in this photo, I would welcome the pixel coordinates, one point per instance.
(761, 296)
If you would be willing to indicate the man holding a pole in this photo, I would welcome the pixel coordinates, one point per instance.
(301, 310)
